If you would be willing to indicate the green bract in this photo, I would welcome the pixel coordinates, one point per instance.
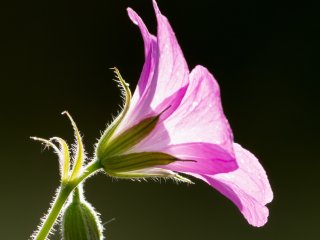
(80, 222)
(69, 172)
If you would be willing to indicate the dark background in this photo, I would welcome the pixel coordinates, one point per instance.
(55, 56)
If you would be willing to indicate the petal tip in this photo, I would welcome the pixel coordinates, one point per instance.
(155, 7)
(133, 15)
(261, 220)
(243, 153)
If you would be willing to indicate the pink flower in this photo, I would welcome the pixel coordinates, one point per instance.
(191, 125)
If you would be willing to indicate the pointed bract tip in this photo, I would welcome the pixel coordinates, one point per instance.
(41, 140)
(71, 120)
(69, 116)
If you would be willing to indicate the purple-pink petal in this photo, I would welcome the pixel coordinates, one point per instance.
(200, 117)
(147, 37)
(172, 71)
(197, 130)
(164, 76)
(169, 73)
(151, 56)
(247, 187)
(151, 60)
(206, 158)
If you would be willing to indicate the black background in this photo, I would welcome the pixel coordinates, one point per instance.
(55, 56)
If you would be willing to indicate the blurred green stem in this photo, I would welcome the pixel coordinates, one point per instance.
(64, 192)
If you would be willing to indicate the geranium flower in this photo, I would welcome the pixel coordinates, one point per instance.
(174, 123)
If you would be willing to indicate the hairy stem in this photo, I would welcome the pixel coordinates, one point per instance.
(63, 194)
(62, 197)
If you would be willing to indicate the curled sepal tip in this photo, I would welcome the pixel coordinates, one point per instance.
(63, 154)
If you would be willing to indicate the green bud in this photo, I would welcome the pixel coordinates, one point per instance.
(80, 221)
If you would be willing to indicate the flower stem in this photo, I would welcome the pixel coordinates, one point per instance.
(63, 195)
(64, 192)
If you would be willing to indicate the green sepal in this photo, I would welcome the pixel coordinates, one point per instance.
(145, 173)
(108, 133)
(153, 173)
(124, 164)
(80, 221)
(130, 137)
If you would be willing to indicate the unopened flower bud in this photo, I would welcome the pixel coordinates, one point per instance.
(80, 221)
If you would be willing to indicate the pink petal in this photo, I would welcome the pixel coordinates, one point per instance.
(164, 78)
(208, 158)
(200, 116)
(147, 37)
(247, 187)
(198, 127)
(151, 58)
(172, 71)
(170, 74)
